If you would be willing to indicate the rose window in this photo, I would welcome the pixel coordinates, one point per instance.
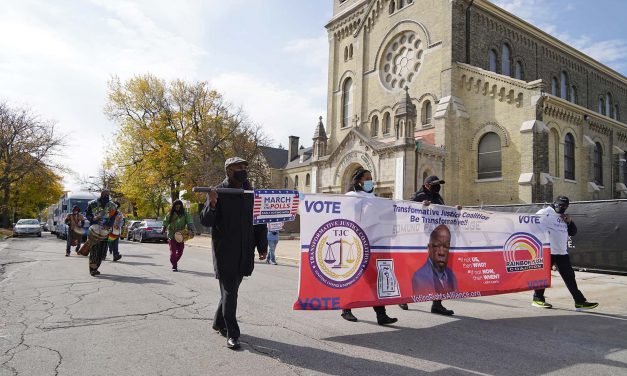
(401, 61)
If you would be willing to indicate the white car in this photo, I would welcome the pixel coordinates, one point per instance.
(25, 227)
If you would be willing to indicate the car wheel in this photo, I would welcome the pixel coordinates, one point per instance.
(39, 235)
(141, 238)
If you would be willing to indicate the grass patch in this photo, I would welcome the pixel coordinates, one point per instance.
(5, 233)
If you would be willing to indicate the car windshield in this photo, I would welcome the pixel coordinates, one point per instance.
(154, 224)
(80, 202)
(28, 222)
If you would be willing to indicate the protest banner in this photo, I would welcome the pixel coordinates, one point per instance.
(275, 205)
(361, 252)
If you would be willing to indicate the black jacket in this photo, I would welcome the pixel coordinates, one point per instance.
(233, 235)
(425, 194)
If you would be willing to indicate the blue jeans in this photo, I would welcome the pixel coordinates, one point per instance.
(271, 247)
(70, 235)
(113, 247)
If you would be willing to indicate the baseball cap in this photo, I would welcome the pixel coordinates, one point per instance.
(562, 200)
(433, 180)
(234, 160)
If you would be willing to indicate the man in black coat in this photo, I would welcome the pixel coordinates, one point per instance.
(234, 240)
(428, 194)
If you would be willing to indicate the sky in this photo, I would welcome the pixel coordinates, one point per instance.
(268, 57)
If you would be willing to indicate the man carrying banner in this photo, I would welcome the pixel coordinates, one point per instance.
(559, 226)
(427, 194)
(362, 185)
(234, 238)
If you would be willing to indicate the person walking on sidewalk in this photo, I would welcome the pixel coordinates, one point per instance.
(559, 226)
(234, 239)
(362, 185)
(74, 224)
(429, 194)
(176, 222)
(273, 240)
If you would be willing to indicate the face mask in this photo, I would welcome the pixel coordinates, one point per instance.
(240, 176)
(105, 199)
(435, 188)
(368, 185)
(561, 209)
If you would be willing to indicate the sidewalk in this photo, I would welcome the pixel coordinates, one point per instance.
(286, 250)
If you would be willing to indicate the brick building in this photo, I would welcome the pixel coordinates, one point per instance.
(501, 110)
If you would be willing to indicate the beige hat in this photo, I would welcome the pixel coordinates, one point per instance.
(234, 160)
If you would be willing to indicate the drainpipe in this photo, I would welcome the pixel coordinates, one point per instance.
(468, 31)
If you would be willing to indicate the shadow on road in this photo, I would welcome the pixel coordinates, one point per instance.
(138, 280)
(202, 274)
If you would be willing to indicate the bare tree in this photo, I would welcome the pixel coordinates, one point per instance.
(26, 142)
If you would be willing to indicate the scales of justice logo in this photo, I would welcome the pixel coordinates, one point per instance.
(523, 251)
(339, 253)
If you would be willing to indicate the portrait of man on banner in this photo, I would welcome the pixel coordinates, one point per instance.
(435, 276)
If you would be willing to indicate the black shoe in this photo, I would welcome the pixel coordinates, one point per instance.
(404, 307)
(94, 273)
(386, 320)
(222, 331)
(232, 343)
(438, 308)
(175, 269)
(348, 315)
(67, 254)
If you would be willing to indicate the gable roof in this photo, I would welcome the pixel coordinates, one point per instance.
(277, 158)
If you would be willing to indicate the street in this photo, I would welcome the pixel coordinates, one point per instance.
(140, 318)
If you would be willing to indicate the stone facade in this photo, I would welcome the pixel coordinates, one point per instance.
(414, 90)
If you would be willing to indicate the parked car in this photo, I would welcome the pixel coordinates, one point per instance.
(149, 230)
(132, 225)
(25, 227)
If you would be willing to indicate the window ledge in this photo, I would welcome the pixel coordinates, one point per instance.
(570, 181)
(488, 180)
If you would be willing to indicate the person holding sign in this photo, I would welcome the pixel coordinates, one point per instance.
(560, 226)
(179, 225)
(273, 240)
(362, 185)
(234, 238)
(430, 193)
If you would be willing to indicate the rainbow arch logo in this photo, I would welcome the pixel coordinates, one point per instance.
(523, 251)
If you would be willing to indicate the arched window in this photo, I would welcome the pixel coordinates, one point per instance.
(387, 123)
(489, 156)
(616, 112)
(347, 102)
(345, 53)
(573, 94)
(350, 51)
(598, 164)
(426, 113)
(307, 180)
(518, 71)
(492, 60)
(608, 104)
(554, 86)
(554, 165)
(601, 106)
(374, 126)
(392, 7)
(506, 62)
(286, 182)
(296, 182)
(569, 157)
(564, 85)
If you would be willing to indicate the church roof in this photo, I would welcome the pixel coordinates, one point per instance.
(320, 133)
(304, 158)
(277, 158)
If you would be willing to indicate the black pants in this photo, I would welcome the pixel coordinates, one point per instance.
(225, 316)
(380, 310)
(568, 275)
(96, 254)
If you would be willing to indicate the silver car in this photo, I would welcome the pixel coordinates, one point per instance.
(25, 227)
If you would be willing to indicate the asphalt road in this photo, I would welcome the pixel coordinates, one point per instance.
(140, 318)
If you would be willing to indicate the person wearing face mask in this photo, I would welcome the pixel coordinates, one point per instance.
(559, 226)
(178, 219)
(362, 185)
(234, 238)
(428, 194)
(100, 211)
(74, 222)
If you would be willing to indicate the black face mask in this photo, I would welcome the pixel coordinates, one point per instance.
(241, 176)
(435, 188)
(561, 209)
(104, 199)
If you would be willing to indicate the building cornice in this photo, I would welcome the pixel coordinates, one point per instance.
(345, 15)
(546, 38)
(574, 113)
